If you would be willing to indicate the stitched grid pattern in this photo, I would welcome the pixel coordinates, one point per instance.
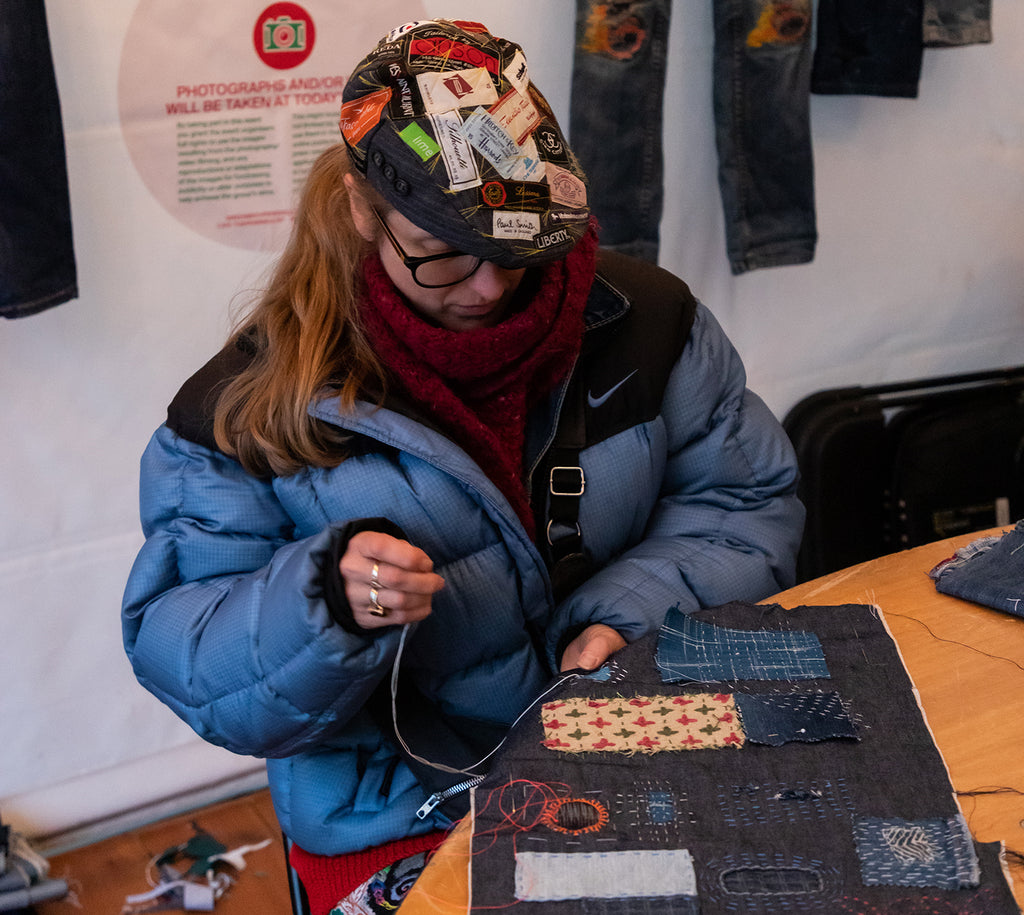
(797, 801)
(689, 649)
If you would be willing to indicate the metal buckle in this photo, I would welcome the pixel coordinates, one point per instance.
(567, 485)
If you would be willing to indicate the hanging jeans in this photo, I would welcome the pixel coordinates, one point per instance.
(868, 47)
(950, 23)
(615, 120)
(762, 124)
(37, 261)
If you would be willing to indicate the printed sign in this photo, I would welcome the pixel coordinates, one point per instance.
(224, 106)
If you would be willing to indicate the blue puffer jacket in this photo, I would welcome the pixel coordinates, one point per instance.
(689, 499)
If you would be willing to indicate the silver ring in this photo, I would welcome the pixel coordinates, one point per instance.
(375, 606)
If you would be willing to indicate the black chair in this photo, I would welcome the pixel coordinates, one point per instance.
(297, 892)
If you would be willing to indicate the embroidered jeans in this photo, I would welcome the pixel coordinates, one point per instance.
(37, 262)
(762, 125)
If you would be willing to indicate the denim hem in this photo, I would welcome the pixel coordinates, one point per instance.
(886, 90)
(34, 306)
(767, 257)
(938, 37)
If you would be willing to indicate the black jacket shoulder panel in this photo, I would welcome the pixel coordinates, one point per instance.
(627, 357)
(190, 413)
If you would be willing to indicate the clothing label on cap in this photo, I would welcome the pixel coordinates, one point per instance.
(456, 151)
(550, 140)
(456, 89)
(516, 115)
(405, 101)
(520, 195)
(517, 73)
(553, 238)
(508, 224)
(417, 139)
(448, 55)
(397, 33)
(566, 188)
(361, 115)
(495, 145)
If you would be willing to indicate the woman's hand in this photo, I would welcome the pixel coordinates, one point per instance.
(592, 647)
(388, 582)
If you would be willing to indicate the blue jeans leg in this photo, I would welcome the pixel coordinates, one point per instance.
(37, 261)
(615, 126)
(762, 62)
(950, 23)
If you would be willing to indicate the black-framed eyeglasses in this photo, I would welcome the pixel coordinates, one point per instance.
(434, 271)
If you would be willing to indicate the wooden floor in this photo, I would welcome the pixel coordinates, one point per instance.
(104, 874)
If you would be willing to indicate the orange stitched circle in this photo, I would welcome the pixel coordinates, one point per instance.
(574, 815)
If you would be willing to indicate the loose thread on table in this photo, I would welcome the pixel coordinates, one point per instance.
(931, 632)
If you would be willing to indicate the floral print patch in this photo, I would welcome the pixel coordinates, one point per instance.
(642, 724)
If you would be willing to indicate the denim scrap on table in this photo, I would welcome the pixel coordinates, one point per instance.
(689, 649)
(37, 261)
(761, 68)
(988, 571)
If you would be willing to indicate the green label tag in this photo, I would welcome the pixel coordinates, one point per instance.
(420, 141)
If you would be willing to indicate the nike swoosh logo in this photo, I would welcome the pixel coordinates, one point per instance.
(595, 402)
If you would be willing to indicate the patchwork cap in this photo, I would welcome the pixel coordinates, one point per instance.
(444, 122)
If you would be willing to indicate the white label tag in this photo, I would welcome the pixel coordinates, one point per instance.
(512, 224)
(516, 115)
(456, 151)
(495, 145)
(456, 89)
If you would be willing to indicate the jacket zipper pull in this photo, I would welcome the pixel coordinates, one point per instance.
(439, 797)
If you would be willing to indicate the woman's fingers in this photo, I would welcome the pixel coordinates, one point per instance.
(388, 581)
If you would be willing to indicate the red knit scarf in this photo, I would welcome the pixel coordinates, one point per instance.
(479, 384)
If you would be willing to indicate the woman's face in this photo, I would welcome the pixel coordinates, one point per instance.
(480, 300)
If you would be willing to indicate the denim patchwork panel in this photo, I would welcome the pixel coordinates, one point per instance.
(778, 718)
(930, 852)
(851, 813)
(689, 649)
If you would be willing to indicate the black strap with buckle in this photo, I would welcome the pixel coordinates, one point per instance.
(568, 561)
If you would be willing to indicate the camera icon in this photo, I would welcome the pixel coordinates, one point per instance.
(284, 34)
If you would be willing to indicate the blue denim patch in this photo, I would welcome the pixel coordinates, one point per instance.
(691, 650)
(778, 718)
(931, 852)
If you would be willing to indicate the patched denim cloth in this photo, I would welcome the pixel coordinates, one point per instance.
(762, 124)
(762, 66)
(950, 23)
(37, 261)
(987, 571)
(615, 121)
(868, 47)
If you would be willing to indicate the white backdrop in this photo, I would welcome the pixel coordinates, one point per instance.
(919, 271)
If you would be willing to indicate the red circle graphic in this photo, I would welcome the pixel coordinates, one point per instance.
(284, 35)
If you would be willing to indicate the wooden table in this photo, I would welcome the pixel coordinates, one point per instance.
(967, 662)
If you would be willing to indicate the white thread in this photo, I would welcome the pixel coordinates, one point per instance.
(440, 766)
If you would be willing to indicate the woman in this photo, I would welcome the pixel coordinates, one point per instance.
(451, 451)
